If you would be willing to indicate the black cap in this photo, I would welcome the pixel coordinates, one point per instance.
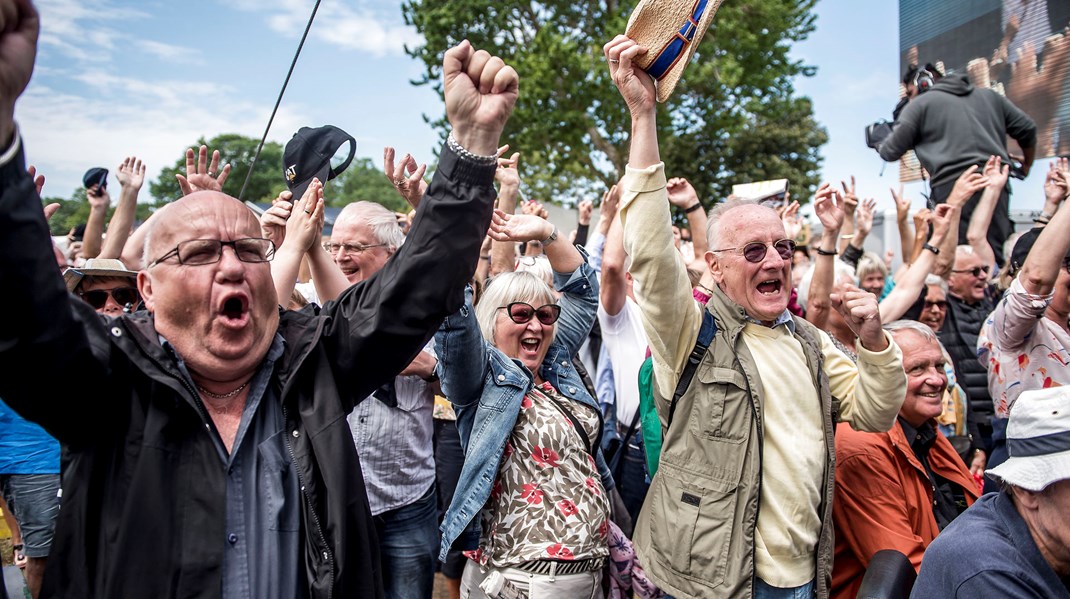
(96, 176)
(308, 155)
(1023, 245)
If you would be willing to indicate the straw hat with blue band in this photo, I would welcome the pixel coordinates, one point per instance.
(671, 31)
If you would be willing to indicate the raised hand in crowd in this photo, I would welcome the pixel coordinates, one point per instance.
(683, 195)
(850, 205)
(911, 282)
(830, 211)
(131, 175)
(202, 174)
(995, 174)
(18, 49)
(406, 176)
(507, 175)
(968, 183)
(607, 210)
(1056, 186)
(273, 220)
(523, 228)
(902, 221)
(861, 313)
(585, 210)
(302, 229)
(480, 92)
(38, 180)
(637, 89)
(792, 223)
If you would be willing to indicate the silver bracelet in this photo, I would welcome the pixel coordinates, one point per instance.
(458, 149)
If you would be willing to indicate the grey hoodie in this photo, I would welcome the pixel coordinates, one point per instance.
(955, 125)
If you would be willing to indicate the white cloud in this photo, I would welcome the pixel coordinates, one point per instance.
(67, 133)
(379, 32)
(169, 52)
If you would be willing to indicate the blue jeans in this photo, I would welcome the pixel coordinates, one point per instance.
(762, 590)
(408, 545)
(634, 482)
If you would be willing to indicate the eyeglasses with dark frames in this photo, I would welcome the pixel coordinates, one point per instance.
(756, 251)
(351, 249)
(975, 272)
(523, 312)
(98, 298)
(197, 252)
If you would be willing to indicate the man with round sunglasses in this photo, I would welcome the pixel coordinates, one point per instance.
(106, 285)
(741, 502)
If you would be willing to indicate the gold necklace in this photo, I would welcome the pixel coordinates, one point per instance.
(222, 395)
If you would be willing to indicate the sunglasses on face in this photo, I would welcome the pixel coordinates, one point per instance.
(939, 304)
(974, 272)
(98, 298)
(755, 251)
(522, 312)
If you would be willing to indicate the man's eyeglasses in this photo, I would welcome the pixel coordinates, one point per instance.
(522, 312)
(351, 249)
(197, 252)
(974, 272)
(755, 251)
(939, 304)
(98, 298)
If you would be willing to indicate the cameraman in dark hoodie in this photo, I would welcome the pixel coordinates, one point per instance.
(951, 125)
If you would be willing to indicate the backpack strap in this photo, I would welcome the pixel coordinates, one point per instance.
(705, 337)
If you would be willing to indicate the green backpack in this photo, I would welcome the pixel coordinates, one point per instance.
(650, 422)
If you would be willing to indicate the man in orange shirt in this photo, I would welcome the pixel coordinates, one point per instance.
(899, 489)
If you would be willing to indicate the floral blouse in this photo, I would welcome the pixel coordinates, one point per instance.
(547, 501)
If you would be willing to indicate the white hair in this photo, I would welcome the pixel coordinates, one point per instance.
(842, 273)
(383, 222)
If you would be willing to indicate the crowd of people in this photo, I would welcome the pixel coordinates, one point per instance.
(234, 404)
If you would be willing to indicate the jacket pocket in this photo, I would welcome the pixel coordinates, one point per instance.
(692, 523)
(276, 486)
(723, 405)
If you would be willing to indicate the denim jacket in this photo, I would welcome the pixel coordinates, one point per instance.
(486, 389)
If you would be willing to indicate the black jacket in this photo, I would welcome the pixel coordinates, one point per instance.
(143, 505)
(959, 334)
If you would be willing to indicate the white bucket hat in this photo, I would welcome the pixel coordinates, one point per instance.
(1038, 440)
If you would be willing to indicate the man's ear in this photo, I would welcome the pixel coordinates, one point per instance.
(715, 267)
(144, 287)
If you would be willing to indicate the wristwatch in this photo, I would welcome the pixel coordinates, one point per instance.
(935, 250)
(552, 238)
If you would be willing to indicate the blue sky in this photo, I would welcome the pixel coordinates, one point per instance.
(148, 78)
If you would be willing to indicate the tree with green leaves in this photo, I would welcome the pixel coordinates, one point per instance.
(734, 117)
(238, 151)
(363, 181)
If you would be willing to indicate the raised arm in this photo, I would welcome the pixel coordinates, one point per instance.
(503, 254)
(671, 318)
(99, 201)
(407, 176)
(828, 207)
(304, 226)
(850, 206)
(379, 325)
(1047, 256)
(902, 221)
(977, 230)
(131, 175)
(614, 284)
(909, 286)
(682, 195)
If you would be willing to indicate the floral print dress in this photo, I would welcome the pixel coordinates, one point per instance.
(547, 501)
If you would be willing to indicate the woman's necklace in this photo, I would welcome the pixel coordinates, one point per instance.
(222, 395)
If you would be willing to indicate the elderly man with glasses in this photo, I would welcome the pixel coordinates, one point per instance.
(741, 505)
(971, 297)
(210, 455)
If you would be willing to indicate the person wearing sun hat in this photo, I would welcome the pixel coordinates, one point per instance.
(105, 284)
(1014, 543)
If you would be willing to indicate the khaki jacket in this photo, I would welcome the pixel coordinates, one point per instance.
(695, 535)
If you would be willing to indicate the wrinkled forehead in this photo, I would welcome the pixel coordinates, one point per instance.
(751, 222)
(205, 215)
